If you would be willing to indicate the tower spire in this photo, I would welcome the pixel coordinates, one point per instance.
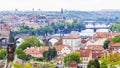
(11, 38)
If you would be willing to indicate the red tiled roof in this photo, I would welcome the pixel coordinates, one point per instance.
(59, 47)
(102, 35)
(36, 50)
(40, 50)
(115, 33)
(98, 35)
(96, 55)
(85, 52)
(114, 44)
(73, 64)
(95, 47)
(72, 36)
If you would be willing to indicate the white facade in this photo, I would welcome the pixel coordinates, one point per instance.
(53, 41)
(19, 41)
(73, 42)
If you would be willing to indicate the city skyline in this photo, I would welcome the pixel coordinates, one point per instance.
(56, 5)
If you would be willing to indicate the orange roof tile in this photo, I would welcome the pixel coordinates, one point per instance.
(72, 36)
(73, 64)
(84, 52)
(114, 44)
(95, 47)
(59, 47)
(96, 55)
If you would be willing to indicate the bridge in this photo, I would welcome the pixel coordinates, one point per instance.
(97, 26)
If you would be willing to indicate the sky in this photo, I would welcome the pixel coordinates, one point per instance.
(56, 5)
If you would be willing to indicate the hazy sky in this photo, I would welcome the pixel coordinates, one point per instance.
(53, 5)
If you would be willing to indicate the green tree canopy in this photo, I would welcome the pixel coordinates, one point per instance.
(103, 65)
(93, 64)
(116, 39)
(115, 26)
(45, 53)
(73, 56)
(111, 59)
(22, 55)
(50, 54)
(106, 42)
(17, 65)
(30, 41)
(3, 53)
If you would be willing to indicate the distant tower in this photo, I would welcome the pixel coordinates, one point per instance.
(10, 49)
(39, 10)
(16, 10)
(61, 10)
(33, 10)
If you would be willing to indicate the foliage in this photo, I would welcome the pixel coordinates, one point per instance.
(45, 54)
(27, 65)
(48, 64)
(3, 53)
(116, 39)
(30, 41)
(93, 64)
(39, 59)
(73, 56)
(115, 27)
(60, 26)
(17, 65)
(22, 55)
(33, 41)
(111, 59)
(106, 42)
(103, 65)
(24, 45)
(50, 54)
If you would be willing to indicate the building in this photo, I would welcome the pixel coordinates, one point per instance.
(37, 51)
(72, 40)
(114, 47)
(85, 55)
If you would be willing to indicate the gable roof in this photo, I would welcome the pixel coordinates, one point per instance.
(95, 47)
(114, 44)
(72, 36)
(84, 52)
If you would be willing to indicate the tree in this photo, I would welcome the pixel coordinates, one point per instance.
(106, 42)
(3, 53)
(90, 64)
(33, 41)
(93, 64)
(96, 63)
(51, 53)
(73, 56)
(115, 27)
(17, 65)
(116, 39)
(77, 25)
(22, 55)
(103, 65)
(54, 52)
(48, 29)
(30, 41)
(45, 53)
(24, 45)
(111, 59)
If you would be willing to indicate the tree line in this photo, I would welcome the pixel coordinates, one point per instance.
(59, 27)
